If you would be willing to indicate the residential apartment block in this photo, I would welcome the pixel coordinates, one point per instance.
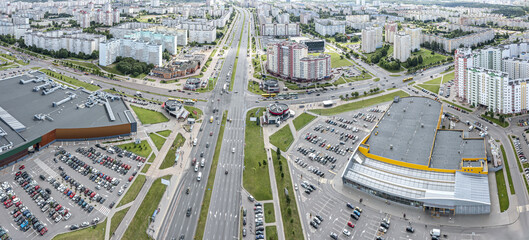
(390, 30)
(415, 37)
(402, 46)
(73, 41)
(329, 26)
(371, 39)
(136, 49)
(290, 60)
(480, 35)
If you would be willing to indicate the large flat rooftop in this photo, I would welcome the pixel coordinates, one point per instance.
(23, 104)
(450, 147)
(407, 130)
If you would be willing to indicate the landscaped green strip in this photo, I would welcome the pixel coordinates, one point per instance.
(169, 159)
(453, 104)
(138, 226)
(116, 219)
(256, 179)
(89, 233)
(192, 111)
(70, 80)
(269, 213)
(503, 124)
(145, 168)
(164, 133)
(133, 191)
(359, 104)
(503, 196)
(448, 77)
(236, 58)
(282, 138)
(288, 205)
(271, 232)
(506, 163)
(302, 120)
(35, 68)
(158, 141)
(143, 149)
(151, 159)
(515, 155)
(199, 233)
(147, 116)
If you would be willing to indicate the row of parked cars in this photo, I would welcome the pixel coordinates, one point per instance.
(521, 155)
(104, 160)
(3, 234)
(259, 220)
(21, 214)
(75, 194)
(124, 153)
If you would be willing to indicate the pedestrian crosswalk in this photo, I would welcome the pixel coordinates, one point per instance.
(46, 169)
(523, 208)
(104, 210)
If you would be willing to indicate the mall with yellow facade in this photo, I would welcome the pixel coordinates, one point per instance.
(410, 159)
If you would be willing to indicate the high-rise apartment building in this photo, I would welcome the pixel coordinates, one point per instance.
(139, 50)
(371, 39)
(390, 30)
(329, 26)
(415, 37)
(402, 46)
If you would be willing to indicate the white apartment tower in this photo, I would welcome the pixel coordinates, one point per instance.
(371, 39)
(390, 29)
(463, 60)
(415, 37)
(402, 46)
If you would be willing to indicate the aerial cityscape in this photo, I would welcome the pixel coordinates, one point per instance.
(264, 119)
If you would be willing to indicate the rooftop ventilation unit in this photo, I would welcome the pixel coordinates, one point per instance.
(71, 97)
(37, 88)
(51, 90)
(422, 125)
(391, 146)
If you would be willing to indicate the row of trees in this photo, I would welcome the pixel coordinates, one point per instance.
(133, 67)
(355, 95)
(413, 61)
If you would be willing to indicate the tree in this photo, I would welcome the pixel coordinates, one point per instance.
(419, 59)
(278, 153)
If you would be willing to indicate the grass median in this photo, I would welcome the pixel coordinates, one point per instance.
(89, 233)
(164, 133)
(157, 140)
(143, 149)
(269, 213)
(70, 80)
(145, 168)
(359, 104)
(133, 191)
(137, 228)
(147, 116)
(256, 179)
(151, 159)
(194, 112)
(169, 159)
(288, 205)
(282, 138)
(302, 120)
(271, 232)
(116, 219)
(503, 196)
(506, 163)
(199, 234)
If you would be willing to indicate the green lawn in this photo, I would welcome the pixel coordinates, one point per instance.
(70, 80)
(269, 213)
(503, 196)
(448, 77)
(427, 57)
(506, 164)
(143, 149)
(112, 69)
(151, 159)
(84, 64)
(158, 141)
(133, 190)
(394, 75)
(253, 87)
(89, 233)
(199, 233)
(147, 116)
(145, 168)
(337, 61)
(271, 233)
(35, 68)
(168, 161)
(116, 219)
(288, 205)
(256, 179)
(138, 226)
(432, 85)
(302, 120)
(192, 111)
(359, 104)
(165, 133)
(282, 138)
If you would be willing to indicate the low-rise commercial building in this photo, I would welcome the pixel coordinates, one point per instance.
(177, 68)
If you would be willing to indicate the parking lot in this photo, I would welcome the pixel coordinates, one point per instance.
(64, 187)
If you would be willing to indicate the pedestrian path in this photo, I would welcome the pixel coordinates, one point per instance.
(104, 210)
(45, 167)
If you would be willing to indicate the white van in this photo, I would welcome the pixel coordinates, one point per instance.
(196, 167)
(195, 142)
(199, 176)
(202, 162)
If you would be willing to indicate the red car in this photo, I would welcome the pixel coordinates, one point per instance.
(8, 201)
(44, 230)
(9, 204)
(21, 167)
(66, 191)
(37, 187)
(210, 133)
(130, 178)
(72, 195)
(18, 203)
(16, 214)
(350, 224)
(93, 194)
(18, 173)
(58, 207)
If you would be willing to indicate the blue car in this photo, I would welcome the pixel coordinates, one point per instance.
(24, 224)
(356, 212)
(259, 237)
